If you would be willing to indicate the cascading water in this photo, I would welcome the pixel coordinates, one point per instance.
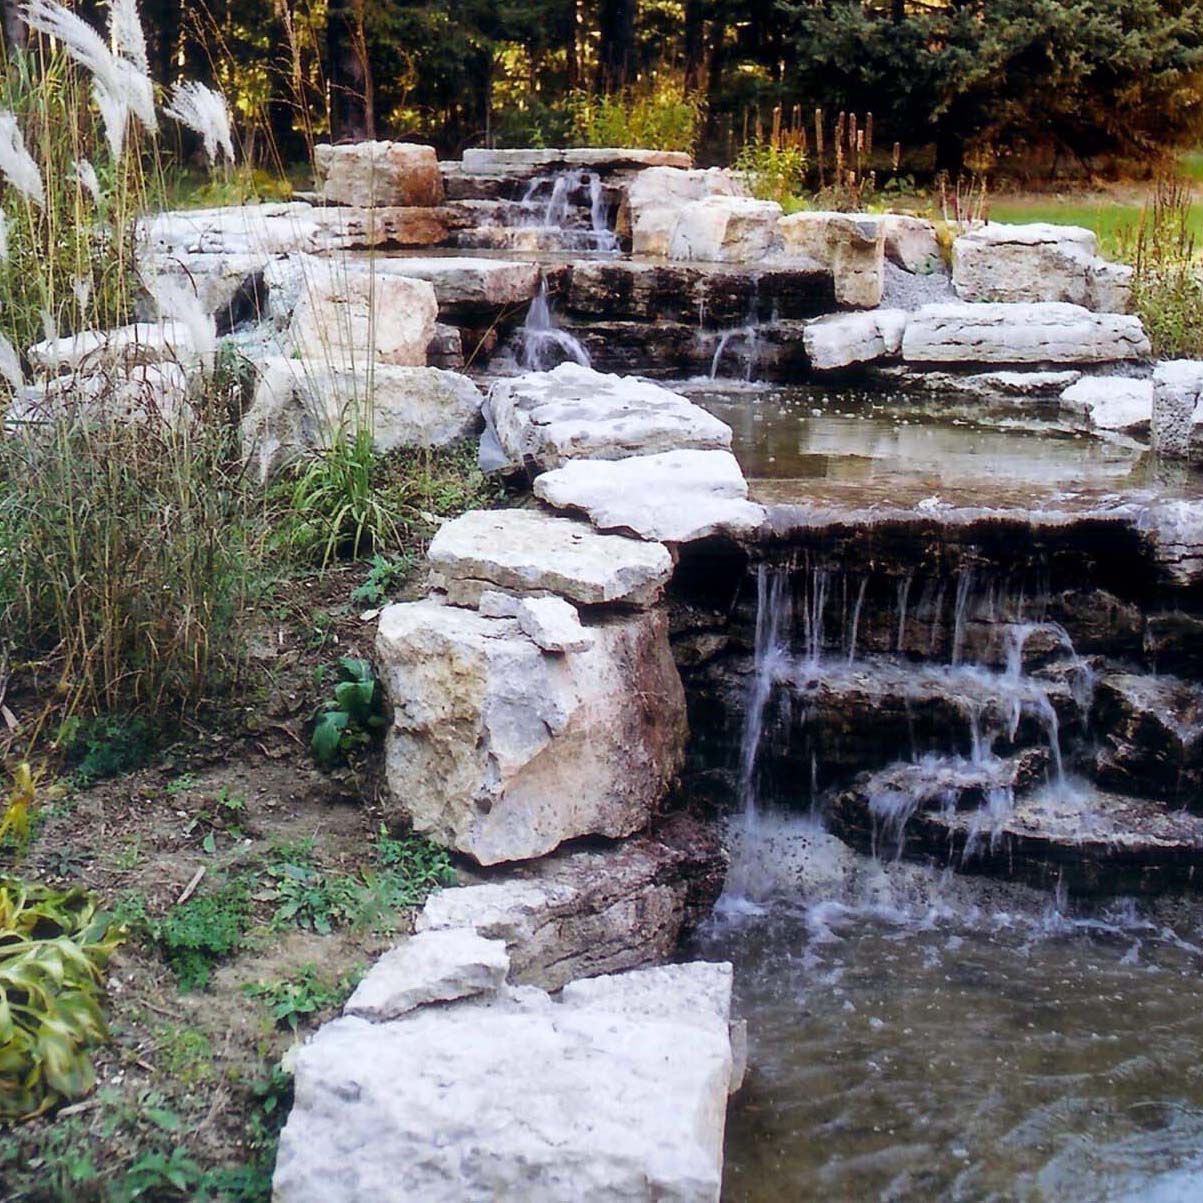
(745, 338)
(557, 197)
(544, 344)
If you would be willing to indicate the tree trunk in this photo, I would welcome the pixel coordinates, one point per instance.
(350, 77)
(571, 46)
(616, 54)
(695, 32)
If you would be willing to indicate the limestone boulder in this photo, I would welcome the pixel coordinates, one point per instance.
(373, 174)
(157, 393)
(843, 340)
(851, 245)
(1017, 263)
(617, 1089)
(912, 244)
(533, 552)
(656, 196)
(1174, 530)
(353, 316)
(674, 497)
(1112, 403)
(545, 419)
(302, 406)
(1110, 287)
(1178, 409)
(502, 752)
(725, 229)
(1017, 334)
(126, 347)
(464, 285)
(430, 967)
(260, 230)
(594, 910)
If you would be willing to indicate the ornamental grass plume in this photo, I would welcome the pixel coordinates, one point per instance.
(121, 83)
(204, 111)
(17, 165)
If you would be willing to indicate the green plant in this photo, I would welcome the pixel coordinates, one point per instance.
(332, 506)
(664, 117)
(199, 933)
(383, 576)
(352, 718)
(54, 947)
(1167, 290)
(307, 897)
(773, 171)
(304, 994)
(186, 1052)
(105, 747)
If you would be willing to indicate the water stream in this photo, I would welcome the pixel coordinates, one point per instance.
(924, 1024)
(544, 344)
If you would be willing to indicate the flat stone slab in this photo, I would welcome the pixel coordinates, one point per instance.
(615, 1090)
(433, 966)
(528, 551)
(545, 419)
(675, 497)
(1112, 403)
(1036, 333)
(469, 285)
(479, 161)
(843, 340)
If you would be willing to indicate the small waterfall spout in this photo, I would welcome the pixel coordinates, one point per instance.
(544, 344)
(746, 338)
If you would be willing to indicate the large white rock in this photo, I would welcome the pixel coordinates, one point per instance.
(433, 966)
(615, 1091)
(655, 198)
(1038, 262)
(841, 340)
(154, 392)
(1015, 263)
(463, 284)
(1178, 409)
(1114, 403)
(370, 174)
(502, 751)
(302, 406)
(1046, 333)
(851, 245)
(544, 419)
(529, 551)
(351, 315)
(725, 229)
(674, 497)
(126, 347)
(912, 243)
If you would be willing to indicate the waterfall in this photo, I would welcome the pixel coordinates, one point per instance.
(557, 212)
(773, 615)
(748, 334)
(544, 344)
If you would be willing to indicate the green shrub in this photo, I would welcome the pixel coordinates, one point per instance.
(774, 172)
(352, 718)
(54, 947)
(665, 117)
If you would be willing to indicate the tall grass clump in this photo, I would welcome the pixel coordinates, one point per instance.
(664, 117)
(128, 539)
(1167, 289)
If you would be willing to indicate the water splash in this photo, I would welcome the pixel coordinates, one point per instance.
(544, 344)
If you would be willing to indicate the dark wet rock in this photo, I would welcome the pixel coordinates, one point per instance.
(1098, 621)
(593, 910)
(1080, 839)
(1151, 730)
(710, 297)
(1173, 642)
